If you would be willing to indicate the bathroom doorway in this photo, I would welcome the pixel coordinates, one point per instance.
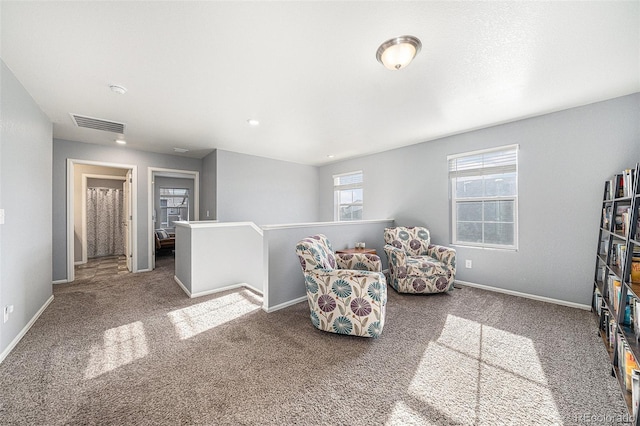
(101, 217)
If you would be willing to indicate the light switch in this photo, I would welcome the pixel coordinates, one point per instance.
(1, 216)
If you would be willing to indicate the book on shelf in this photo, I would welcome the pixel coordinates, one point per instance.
(614, 290)
(630, 364)
(625, 217)
(597, 301)
(604, 244)
(635, 268)
(604, 324)
(608, 190)
(627, 310)
(635, 392)
(627, 179)
(618, 254)
(606, 217)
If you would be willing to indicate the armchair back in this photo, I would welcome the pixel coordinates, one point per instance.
(315, 253)
(414, 240)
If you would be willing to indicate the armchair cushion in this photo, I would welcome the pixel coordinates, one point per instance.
(342, 301)
(162, 234)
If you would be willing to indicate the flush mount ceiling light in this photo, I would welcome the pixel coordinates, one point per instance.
(118, 89)
(121, 141)
(253, 122)
(398, 52)
(180, 150)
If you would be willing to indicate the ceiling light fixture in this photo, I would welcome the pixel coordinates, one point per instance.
(253, 122)
(118, 89)
(180, 150)
(121, 141)
(398, 52)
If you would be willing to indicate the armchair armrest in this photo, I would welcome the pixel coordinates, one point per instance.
(359, 261)
(444, 254)
(396, 256)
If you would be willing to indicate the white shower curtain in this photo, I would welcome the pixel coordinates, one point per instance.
(105, 228)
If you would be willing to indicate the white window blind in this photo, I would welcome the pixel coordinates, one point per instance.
(484, 197)
(348, 196)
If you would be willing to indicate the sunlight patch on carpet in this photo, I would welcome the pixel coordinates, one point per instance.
(121, 346)
(475, 374)
(403, 415)
(193, 320)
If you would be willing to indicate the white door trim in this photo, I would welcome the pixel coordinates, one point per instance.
(71, 162)
(158, 171)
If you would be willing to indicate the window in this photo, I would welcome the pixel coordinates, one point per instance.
(347, 189)
(174, 206)
(484, 198)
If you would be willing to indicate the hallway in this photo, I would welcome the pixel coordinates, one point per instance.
(99, 267)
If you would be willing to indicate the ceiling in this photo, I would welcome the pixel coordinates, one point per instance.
(197, 71)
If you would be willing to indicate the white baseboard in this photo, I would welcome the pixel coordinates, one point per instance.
(26, 328)
(79, 262)
(284, 305)
(59, 281)
(217, 290)
(143, 270)
(526, 295)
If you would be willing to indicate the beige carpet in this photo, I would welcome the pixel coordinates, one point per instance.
(133, 349)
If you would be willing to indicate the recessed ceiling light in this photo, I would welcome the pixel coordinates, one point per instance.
(253, 122)
(121, 141)
(181, 150)
(330, 156)
(118, 89)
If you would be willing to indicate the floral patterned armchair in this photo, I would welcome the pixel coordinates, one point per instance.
(416, 265)
(347, 293)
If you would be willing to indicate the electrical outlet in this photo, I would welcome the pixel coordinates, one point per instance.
(468, 264)
(6, 313)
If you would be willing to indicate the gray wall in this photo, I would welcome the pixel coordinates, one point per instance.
(265, 191)
(63, 149)
(167, 182)
(208, 180)
(25, 187)
(564, 160)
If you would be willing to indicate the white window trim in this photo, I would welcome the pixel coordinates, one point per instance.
(337, 188)
(454, 200)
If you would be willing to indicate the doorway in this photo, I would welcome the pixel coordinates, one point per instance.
(173, 195)
(118, 181)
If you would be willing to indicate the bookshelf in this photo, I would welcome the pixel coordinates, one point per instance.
(616, 289)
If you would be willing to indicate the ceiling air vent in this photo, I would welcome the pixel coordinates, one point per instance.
(98, 124)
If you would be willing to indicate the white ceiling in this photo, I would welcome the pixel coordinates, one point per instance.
(196, 71)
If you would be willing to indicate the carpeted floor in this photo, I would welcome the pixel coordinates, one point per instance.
(101, 266)
(133, 349)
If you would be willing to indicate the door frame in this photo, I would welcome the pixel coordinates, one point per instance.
(71, 162)
(176, 173)
(85, 177)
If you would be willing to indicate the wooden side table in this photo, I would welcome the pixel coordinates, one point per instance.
(357, 250)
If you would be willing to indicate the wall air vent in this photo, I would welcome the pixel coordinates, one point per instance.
(98, 124)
